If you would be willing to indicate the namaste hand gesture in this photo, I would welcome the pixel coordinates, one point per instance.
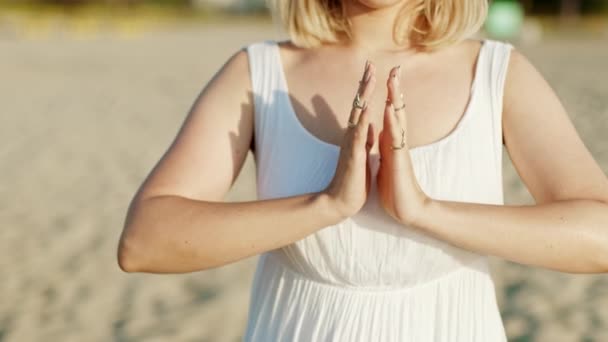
(398, 188)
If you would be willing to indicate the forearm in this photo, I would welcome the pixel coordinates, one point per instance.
(567, 236)
(171, 234)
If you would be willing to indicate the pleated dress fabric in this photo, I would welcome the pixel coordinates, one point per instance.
(369, 278)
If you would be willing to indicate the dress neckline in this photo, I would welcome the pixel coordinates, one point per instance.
(336, 148)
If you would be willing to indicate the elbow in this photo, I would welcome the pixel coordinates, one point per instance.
(129, 255)
(125, 261)
(134, 244)
(596, 266)
(603, 265)
(601, 241)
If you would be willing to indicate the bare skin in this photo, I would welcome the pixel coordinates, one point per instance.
(177, 222)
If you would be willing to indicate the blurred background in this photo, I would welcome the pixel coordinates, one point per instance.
(93, 92)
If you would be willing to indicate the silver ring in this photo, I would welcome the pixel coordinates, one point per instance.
(400, 108)
(357, 103)
(402, 141)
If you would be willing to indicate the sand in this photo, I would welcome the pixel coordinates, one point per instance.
(85, 119)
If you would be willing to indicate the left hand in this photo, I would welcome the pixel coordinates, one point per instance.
(398, 188)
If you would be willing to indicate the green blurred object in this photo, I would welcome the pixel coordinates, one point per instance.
(505, 19)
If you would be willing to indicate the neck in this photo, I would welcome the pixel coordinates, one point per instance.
(372, 28)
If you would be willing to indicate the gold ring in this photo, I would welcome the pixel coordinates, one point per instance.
(357, 103)
(402, 141)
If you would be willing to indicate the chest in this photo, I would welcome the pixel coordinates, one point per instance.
(465, 165)
(436, 100)
(300, 118)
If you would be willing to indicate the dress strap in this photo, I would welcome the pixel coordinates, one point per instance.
(501, 52)
(264, 82)
(261, 66)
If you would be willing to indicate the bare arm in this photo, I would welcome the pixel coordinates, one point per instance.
(177, 221)
(567, 229)
(173, 234)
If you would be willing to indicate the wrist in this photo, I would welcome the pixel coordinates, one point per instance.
(329, 208)
(424, 212)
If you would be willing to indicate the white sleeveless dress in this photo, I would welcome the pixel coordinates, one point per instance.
(369, 278)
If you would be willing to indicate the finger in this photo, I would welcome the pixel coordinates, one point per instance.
(395, 96)
(392, 125)
(366, 87)
(381, 142)
(362, 129)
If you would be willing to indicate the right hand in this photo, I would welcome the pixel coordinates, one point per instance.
(350, 186)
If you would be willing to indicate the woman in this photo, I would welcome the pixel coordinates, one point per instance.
(380, 191)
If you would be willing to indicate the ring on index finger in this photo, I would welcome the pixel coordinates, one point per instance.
(357, 103)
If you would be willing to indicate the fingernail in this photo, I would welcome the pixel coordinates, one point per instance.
(369, 75)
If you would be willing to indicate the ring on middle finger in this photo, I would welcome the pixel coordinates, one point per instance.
(357, 103)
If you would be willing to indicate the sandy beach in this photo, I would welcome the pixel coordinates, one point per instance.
(84, 121)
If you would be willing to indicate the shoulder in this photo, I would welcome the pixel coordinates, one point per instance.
(522, 79)
(237, 68)
(519, 65)
(516, 62)
(513, 73)
(233, 78)
(261, 50)
(527, 96)
(259, 45)
(267, 45)
(237, 63)
(242, 58)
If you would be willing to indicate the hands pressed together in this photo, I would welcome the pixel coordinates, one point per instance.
(397, 186)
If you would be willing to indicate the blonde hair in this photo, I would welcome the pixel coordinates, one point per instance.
(429, 24)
